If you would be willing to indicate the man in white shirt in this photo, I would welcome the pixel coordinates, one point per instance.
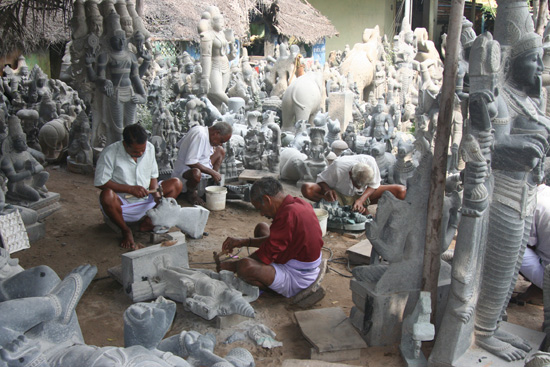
(200, 152)
(127, 172)
(352, 180)
(537, 253)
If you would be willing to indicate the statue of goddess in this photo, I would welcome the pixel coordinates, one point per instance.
(214, 55)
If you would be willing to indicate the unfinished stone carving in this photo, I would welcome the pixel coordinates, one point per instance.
(416, 329)
(170, 214)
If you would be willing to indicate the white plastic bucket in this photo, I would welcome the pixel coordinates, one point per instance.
(215, 197)
(322, 216)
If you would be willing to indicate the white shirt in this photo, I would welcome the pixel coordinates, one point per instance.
(115, 164)
(193, 148)
(337, 177)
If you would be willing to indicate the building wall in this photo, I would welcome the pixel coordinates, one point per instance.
(351, 17)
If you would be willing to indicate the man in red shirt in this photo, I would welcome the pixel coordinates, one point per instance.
(289, 251)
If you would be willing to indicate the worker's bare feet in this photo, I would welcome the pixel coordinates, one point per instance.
(127, 239)
(194, 199)
(68, 292)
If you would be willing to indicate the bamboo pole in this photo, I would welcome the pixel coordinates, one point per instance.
(430, 271)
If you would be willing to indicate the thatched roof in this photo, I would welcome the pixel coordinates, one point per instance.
(178, 19)
(26, 25)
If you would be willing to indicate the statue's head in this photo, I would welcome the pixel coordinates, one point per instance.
(515, 31)
(95, 24)
(118, 40)
(218, 22)
(127, 25)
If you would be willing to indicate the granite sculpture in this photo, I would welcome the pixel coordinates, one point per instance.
(215, 55)
(26, 176)
(416, 329)
(51, 336)
(302, 100)
(168, 213)
(520, 144)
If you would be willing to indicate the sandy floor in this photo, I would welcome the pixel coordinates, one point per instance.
(76, 234)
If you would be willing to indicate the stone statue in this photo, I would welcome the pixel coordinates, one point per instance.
(215, 55)
(521, 142)
(80, 156)
(416, 329)
(381, 126)
(117, 76)
(26, 177)
(29, 337)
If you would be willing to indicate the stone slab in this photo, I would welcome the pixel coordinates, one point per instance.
(476, 356)
(335, 333)
(336, 356)
(140, 265)
(359, 254)
(311, 363)
(226, 322)
(255, 175)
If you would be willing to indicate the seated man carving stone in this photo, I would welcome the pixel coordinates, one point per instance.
(201, 152)
(289, 253)
(127, 173)
(352, 180)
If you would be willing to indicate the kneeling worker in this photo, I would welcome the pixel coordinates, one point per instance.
(289, 251)
(352, 180)
(127, 172)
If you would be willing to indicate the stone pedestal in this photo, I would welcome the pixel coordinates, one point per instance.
(379, 317)
(44, 207)
(79, 168)
(341, 107)
(474, 354)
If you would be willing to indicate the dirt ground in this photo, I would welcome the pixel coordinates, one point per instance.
(76, 234)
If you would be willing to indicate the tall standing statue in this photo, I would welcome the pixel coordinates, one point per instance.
(217, 49)
(521, 133)
(118, 78)
(521, 143)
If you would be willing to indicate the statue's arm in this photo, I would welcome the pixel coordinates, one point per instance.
(11, 174)
(206, 60)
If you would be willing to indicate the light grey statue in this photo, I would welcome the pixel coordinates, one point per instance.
(50, 336)
(215, 56)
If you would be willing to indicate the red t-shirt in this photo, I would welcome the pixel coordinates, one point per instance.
(294, 234)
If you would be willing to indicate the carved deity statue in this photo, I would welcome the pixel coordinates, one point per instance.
(118, 78)
(521, 142)
(215, 57)
(26, 176)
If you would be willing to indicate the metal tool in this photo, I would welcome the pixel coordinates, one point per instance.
(158, 189)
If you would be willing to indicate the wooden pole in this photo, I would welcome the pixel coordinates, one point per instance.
(541, 17)
(439, 166)
(473, 13)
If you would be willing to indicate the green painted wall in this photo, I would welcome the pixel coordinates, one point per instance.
(351, 17)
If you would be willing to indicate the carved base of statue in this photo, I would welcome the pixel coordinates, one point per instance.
(316, 167)
(44, 207)
(75, 167)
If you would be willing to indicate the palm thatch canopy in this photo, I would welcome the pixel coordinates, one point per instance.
(26, 25)
(178, 19)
